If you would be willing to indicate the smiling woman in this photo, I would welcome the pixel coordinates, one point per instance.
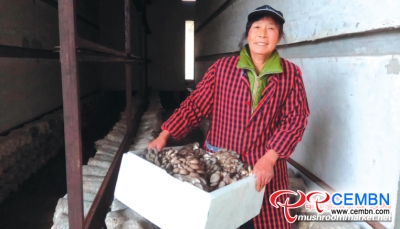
(258, 108)
(262, 39)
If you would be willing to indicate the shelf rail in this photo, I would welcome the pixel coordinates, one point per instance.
(72, 50)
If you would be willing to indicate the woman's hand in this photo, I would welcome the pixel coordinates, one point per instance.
(264, 169)
(160, 141)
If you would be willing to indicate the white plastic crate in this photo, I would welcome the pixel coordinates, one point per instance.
(172, 204)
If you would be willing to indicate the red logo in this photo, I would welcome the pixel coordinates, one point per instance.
(312, 197)
(317, 201)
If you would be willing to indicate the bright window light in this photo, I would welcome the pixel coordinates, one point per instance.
(188, 0)
(189, 50)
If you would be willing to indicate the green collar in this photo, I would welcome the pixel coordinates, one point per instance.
(273, 64)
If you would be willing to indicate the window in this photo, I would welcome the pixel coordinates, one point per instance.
(189, 50)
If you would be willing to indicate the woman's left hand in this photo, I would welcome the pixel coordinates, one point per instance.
(264, 169)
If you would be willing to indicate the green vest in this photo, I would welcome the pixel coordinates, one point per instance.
(258, 82)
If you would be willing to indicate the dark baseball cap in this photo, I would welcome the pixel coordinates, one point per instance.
(266, 10)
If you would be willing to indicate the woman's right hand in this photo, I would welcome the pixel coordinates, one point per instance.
(160, 142)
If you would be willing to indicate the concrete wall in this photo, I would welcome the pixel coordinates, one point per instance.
(31, 87)
(348, 52)
(166, 44)
(112, 34)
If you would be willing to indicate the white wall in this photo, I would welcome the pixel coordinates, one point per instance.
(352, 82)
(305, 20)
(206, 9)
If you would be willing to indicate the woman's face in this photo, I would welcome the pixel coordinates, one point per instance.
(263, 37)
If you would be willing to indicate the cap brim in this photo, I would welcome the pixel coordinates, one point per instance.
(266, 13)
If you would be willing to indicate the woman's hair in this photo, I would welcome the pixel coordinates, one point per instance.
(250, 22)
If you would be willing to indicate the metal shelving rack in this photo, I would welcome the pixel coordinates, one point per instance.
(74, 49)
(69, 43)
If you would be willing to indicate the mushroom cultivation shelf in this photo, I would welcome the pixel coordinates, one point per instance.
(172, 204)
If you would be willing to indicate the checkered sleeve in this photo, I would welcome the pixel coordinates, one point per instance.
(294, 117)
(198, 105)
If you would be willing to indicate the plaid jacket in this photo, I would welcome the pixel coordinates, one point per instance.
(277, 123)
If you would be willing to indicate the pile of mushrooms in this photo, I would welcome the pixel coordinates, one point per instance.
(194, 165)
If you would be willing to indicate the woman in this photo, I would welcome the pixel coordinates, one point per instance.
(258, 106)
